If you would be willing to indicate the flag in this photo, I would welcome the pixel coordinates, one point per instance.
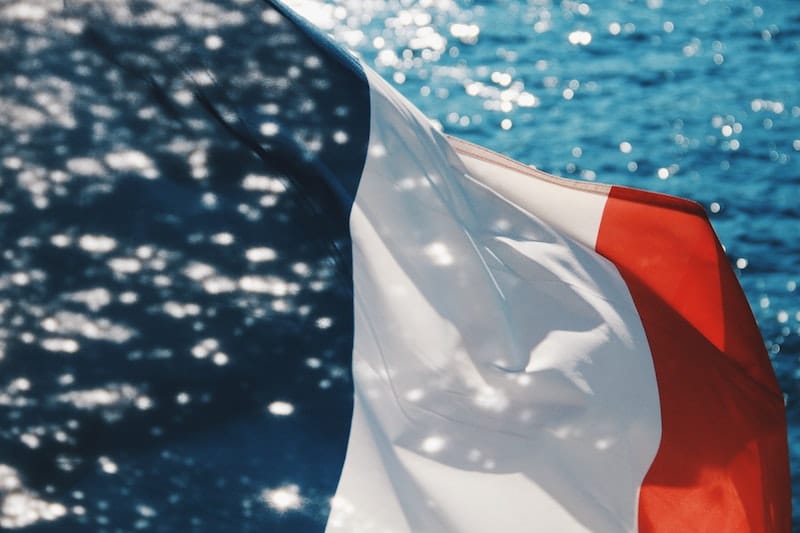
(533, 353)
(265, 292)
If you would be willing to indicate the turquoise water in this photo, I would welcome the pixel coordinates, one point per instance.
(697, 99)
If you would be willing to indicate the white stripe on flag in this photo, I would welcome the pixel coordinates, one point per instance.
(569, 207)
(503, 381)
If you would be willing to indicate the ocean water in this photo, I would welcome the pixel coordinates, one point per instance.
(167, 345)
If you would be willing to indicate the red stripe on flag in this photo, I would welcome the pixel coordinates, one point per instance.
(722, 464)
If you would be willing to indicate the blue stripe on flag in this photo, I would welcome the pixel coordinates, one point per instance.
(193, 333)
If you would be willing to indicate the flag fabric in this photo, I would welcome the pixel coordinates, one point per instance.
(434, 338)
(533, 353)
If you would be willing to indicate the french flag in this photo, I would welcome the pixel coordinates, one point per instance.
(486, 348)
(532, 353)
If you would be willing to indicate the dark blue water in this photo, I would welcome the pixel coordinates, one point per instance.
(168, 345)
